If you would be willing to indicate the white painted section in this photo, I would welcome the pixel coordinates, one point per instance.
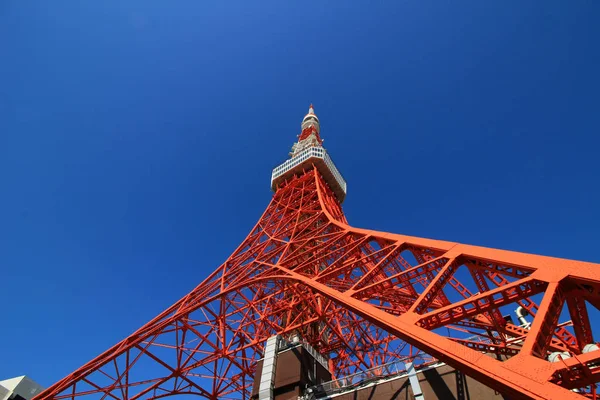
(316, 151)
(554, 357)
(4, 393)
(267, 377)
(335, 172)
(21, 385)
(588, 348)
(414, 381)
(12, 383)
(521, 314)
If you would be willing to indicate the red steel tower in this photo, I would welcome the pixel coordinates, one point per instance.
(361, 298)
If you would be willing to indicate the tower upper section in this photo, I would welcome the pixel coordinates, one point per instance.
(307, 152)
(311, 119)
(310, 134)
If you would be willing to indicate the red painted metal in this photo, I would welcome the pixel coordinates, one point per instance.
(356, 297)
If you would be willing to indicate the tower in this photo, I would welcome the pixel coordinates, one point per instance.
(359, 298)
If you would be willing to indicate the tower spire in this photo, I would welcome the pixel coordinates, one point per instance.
(310, 120)
(307, 152)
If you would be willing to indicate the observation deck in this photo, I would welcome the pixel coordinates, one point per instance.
(304, 161)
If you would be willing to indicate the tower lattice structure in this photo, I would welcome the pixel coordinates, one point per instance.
(361, 298)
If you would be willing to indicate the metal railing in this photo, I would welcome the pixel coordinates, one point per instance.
(356, 380)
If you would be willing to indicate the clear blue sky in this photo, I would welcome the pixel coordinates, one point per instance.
(137, 140)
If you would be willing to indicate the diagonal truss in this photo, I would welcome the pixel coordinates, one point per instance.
(362, 298)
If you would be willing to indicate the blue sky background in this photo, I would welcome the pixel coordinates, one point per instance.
(137, 140)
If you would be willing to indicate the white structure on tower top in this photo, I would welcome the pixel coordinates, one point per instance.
(308, 153)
